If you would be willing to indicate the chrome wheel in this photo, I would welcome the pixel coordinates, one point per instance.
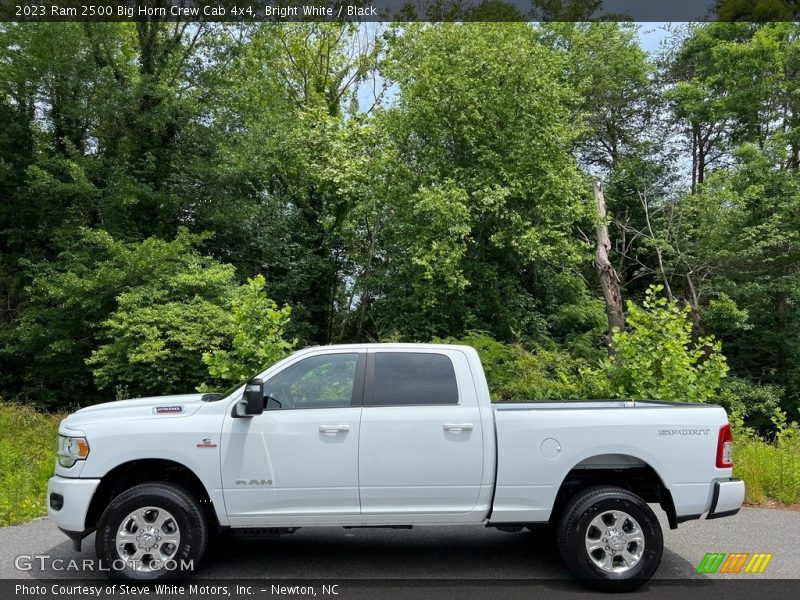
(614, 541)
(147, 539)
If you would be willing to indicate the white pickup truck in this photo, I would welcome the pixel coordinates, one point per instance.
(392, 435)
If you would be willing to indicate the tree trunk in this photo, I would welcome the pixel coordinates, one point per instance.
(695, 137)
(781, 307)
(702, 151)
(360, 284)
(659, 257)
(694, 303)
(609, 278)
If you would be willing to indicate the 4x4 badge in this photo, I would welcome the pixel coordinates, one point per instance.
(207, 443)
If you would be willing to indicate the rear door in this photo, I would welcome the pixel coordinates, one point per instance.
(421, 442)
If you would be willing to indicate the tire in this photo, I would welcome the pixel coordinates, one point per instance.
(151, 532)
(544, 533)
(621, 561)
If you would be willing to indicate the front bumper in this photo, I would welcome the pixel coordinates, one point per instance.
(68, 501)
(726, 499)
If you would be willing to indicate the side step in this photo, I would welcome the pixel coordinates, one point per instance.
(260, 531)
(509, 527)
(377, 526)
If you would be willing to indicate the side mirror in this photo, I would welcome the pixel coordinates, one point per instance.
(254, 398)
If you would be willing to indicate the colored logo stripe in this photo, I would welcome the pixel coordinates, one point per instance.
(758, 563)
(721, 562)
(711, 562)
(734, 562)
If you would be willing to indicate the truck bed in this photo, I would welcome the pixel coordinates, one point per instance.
(540, 443)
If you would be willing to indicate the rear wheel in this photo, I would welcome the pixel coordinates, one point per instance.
(151, 532)
(610, 538)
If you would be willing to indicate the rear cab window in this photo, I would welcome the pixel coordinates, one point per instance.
(411, 379)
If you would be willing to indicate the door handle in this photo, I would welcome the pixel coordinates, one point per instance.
(333, 428)
(455, 427)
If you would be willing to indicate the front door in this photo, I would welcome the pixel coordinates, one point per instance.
(298, 460)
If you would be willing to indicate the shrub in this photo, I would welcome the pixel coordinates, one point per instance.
(162, 324)
(657, 359)
(754, 403)
(120, 317)
(515, 373)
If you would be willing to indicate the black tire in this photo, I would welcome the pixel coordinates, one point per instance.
(544, 533)
(187, 514)
(575, 524)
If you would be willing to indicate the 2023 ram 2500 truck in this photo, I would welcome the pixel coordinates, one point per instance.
(386, 435)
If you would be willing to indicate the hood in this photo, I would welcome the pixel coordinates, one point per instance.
(155, 407)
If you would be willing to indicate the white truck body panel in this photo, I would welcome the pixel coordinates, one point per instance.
(128, 430)
(428, 460)
(613, 434)
(470, 462)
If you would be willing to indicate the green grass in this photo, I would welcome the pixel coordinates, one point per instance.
(27, 458)
(769, 470)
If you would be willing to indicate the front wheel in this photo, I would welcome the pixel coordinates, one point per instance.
(150, 532)
(610, 539)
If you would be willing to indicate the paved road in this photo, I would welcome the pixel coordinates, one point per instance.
(431, 552)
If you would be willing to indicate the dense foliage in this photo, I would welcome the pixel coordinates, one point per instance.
(656, 357)
(257, 335)
(409, 182)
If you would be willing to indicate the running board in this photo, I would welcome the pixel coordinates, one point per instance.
(261, 531)
(377, 526)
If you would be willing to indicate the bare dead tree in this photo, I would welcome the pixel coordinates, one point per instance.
(656, 245)
(683, 265)
(609, 278)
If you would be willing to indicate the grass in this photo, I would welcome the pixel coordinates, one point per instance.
(27, 458)
(769, 470)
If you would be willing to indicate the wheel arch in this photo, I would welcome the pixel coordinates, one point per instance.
(619, 469)
(138, 471)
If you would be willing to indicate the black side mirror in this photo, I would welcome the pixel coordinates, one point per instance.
(254, 397)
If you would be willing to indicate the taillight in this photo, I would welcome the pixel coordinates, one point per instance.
(725, 448)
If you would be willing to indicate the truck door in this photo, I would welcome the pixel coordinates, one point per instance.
(421, 448)
(298, 461)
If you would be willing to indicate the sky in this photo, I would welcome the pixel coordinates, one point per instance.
(651, 35)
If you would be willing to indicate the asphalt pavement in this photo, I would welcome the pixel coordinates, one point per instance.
(471, 552)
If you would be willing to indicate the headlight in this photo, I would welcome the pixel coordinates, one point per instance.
(71, 449)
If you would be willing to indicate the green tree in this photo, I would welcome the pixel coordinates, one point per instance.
(483, 127)
(288, 133)
(657, 358)
(612, 77)
(108, 317)
(748, 220)
(258, 336)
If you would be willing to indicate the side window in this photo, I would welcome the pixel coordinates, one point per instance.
(324, 381)
(409, 378)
